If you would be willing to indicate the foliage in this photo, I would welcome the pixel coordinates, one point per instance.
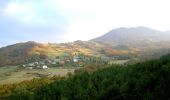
(24, 87)
(148, 80)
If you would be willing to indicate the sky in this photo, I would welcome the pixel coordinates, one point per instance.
(59, 21)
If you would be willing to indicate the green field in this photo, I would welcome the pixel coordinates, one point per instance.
(13, 74)
(119, 62)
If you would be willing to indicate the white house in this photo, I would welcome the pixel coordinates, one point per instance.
(53, 63)
(57, 60)
(31, 64)
(45, 67)
(42, 62)
(36, 63)
(76, 58)
(39, 67)
(29, 68)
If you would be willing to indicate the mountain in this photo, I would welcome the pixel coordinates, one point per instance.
(122, 42)
(134, 36)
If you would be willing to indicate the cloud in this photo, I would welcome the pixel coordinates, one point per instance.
(20, 11)
(16, 8)
(30, 20)
(35, 12)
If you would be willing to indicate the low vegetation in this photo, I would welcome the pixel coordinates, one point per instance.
(148, 80)
(14, 74)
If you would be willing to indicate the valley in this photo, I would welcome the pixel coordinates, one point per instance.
(28, 67)
(121, 46)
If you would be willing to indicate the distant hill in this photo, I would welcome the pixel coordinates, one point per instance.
(134, 36)
(16, 54)
(122, 42)
(22, 52)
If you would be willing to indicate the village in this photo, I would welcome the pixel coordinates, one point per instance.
(66, 61)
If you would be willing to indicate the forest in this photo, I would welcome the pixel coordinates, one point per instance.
(142, 81)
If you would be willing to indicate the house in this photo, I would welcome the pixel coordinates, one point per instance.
(49, 61)
(68, 60)
(62, 62)
(57, 60)
(53, 63)
(42, 62)
(36, 63)
(76, 58)
(107, 58)
(31, 64)
(45, 67)
(81, 64)
(39, 67)
(29, 68)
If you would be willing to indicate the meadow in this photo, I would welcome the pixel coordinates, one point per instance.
(15, 74)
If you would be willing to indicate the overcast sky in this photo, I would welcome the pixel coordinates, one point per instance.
(70, 20)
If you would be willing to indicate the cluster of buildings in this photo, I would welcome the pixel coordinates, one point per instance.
(77, 60)
(56, 62)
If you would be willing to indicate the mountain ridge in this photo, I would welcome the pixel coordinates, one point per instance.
(121, 36)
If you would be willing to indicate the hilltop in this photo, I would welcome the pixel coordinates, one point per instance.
(134, 36)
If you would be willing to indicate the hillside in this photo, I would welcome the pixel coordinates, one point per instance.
(22, 52)
(148, 80)
(15, 54)
(140, 37)
(119, 43)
